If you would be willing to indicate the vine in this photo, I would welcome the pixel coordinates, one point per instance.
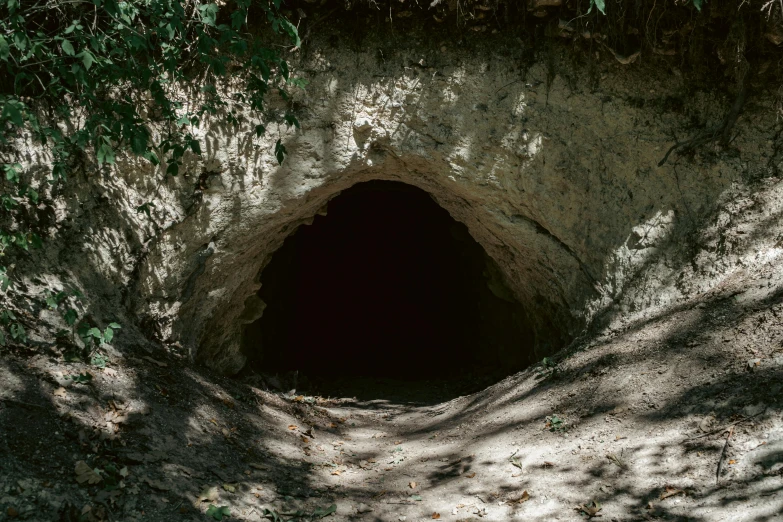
(93, 77)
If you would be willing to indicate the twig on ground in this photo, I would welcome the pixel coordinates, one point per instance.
(723, 455)
(724, 428)
(22, 403)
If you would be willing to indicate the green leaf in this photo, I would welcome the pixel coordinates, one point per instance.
(98, 360)
(94, 332)
(115, 326)
(291, 120)
(260, 130)
(105, 154)
(20, 40)
(82, 378)
(697, 4)
(152, 157)
(17, 332)
(12, 110)
(5, 49)
(68, 48)
(280, 152)
(108, 335)
(208, 13)
(600, 4)
(87, 59)
(70, 316)
(324, 512)
(2, 338)
(218, 513)
(12, 172)
(272, 515)
(416, 498)
(35, 240)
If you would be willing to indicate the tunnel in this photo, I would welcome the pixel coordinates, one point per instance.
(386, 284)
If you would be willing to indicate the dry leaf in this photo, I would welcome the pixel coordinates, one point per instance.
(292, 426)
(411, 485)
(732, 461)
(332, 425)
(336, 472)
(471, 475)
(342, 419)
(209, 494)
(304, 439)
(156, 484)
(524, 498)
(670, 492)
(60, 392)
(548, 464)
(436, 516)
(590, 510)
(617, 460)
(85, 473)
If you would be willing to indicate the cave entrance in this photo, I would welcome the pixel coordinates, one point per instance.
(386, 285)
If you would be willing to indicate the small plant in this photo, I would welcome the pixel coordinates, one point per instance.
(12, 326)
(218, 513)
(82, 378)
(555, 424)
(92, 337)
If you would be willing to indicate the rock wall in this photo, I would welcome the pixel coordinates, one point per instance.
(552, 166)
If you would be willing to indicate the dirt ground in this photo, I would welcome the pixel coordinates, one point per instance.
(676, 418)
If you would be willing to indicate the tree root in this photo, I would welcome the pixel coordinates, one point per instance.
(722, 132)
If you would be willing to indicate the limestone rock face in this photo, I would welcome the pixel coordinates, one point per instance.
(554, 172)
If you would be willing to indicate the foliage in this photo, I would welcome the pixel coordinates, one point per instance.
(218, 513)
(92, 337)
(556, 424)
(103, 77)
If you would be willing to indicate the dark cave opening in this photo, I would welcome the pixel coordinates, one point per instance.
(386, 285)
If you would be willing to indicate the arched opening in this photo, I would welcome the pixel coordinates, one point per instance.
(386, 285)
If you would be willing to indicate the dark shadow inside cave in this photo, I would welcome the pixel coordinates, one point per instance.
(386, 285)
